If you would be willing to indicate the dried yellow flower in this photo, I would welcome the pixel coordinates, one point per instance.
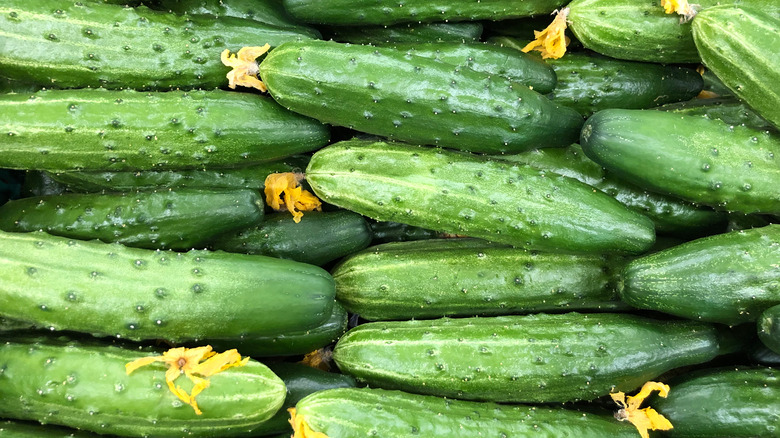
(681, 7)
(283, 192)
(245, 67)
(300, 428)
(552, 41)
(643, 419)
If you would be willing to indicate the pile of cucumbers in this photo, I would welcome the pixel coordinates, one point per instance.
(505, 239)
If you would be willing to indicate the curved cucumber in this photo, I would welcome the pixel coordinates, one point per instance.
(475, 196)
(407, 33)
(96, 129)
(467, 277)
(181, 219)
(728, 278)
(356, 413)
(111, 290)
(85, 386)
(694, 158)
(368, 89)
(728, 109)
(89, 44)
(769, 328)
(526, 359)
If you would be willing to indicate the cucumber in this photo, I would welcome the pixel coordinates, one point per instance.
(385, 232)
(265, 11)
(318, 239)
(669, 215)
(11, 86)
(469, 277)
(96, 129)
(769, 328)
(40, 183)
(731, 41)
(759, 353)
(367, 88)
(165, 219)
(142, 294)
(22, 429)
(728, 109)
(694, 158)
(362, 12)
(407, 33)
(713, 84)
(728, 278)
(526, 359)
(87, 44)
(472, 195)
(86, 387)
(357, 413)
(740, 402)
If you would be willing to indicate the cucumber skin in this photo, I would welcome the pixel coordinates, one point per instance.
(731, 40)
(385, 232)
(740, 403)
(367, 88)
(728, 109)
(180, 220)
(20, 429)
(407, 33)
(769, 328)
(738, 269)
(475, 196)
(88, 44)
(362, 12)
(536, 358)
(701, 160)
(469, 277)
(144, 294)
(96, 129)
(86, 387)
(361, 412)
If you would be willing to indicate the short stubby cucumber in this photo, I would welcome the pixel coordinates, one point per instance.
(525, 359)
(769, 328)
(728, 278)
(357, 413)
(71, 44)
(739, 44)
(96, 129)
(407, 33)
(728, 109)
(477, 196)
(698, 159)
(85, 386)
(469, 277)
(389, 92)
(362, 12)
(166, 219)
(112, 290)
(730, 402)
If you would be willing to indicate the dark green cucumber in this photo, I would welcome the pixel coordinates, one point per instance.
(357, 413)
(111, 290)
(7, 324)
(407, 33)
(526, 359)
(742, 221)
(769, 328)
(728, 109)
(669, 214)
(319, 238)
(96, 129)
(477, 196)
(758, 353)
(23, 429)
(12, 86)
(728, 278)
(86, 44)
(384, 12)
(714, 85)
(698, 159)
(85, 386)
(385, 232)
(368, 89)
(723, 402)
(165, 219)
(468, 277)
(733, 43)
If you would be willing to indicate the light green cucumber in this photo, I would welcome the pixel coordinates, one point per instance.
(25, 429)
(407, 33)
(769, 328)
(728, 109)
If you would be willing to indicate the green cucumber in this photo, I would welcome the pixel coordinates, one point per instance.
(385, 232)
(182, 219)
(85, 386)
(22, 429)
(111, 290)
(85, 44)
(96, 129)
(477, 196)
(733, 43)
(525, 359)
(318, 239)
(265, 11)
(723, 402)
(669, 215)
(769, 328)
(698, 159)
(713, 84)
(407, 33)
(728, 109)
(368, 89)
(759, 353)
(12, 86)
(362, 12)
(357, 413)
(728, 278)
(469, 277)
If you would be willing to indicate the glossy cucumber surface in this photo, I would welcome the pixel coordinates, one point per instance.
(29, 429)
(769, 328)
(728, 109)
(406, 33)
(265, 11)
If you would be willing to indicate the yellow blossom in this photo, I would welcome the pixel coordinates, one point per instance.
(300, 428)
(319, 359)
(245, 67)
(284, 193)
(681, 7)
(552, 41)
(643, 419)
(191, 362)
